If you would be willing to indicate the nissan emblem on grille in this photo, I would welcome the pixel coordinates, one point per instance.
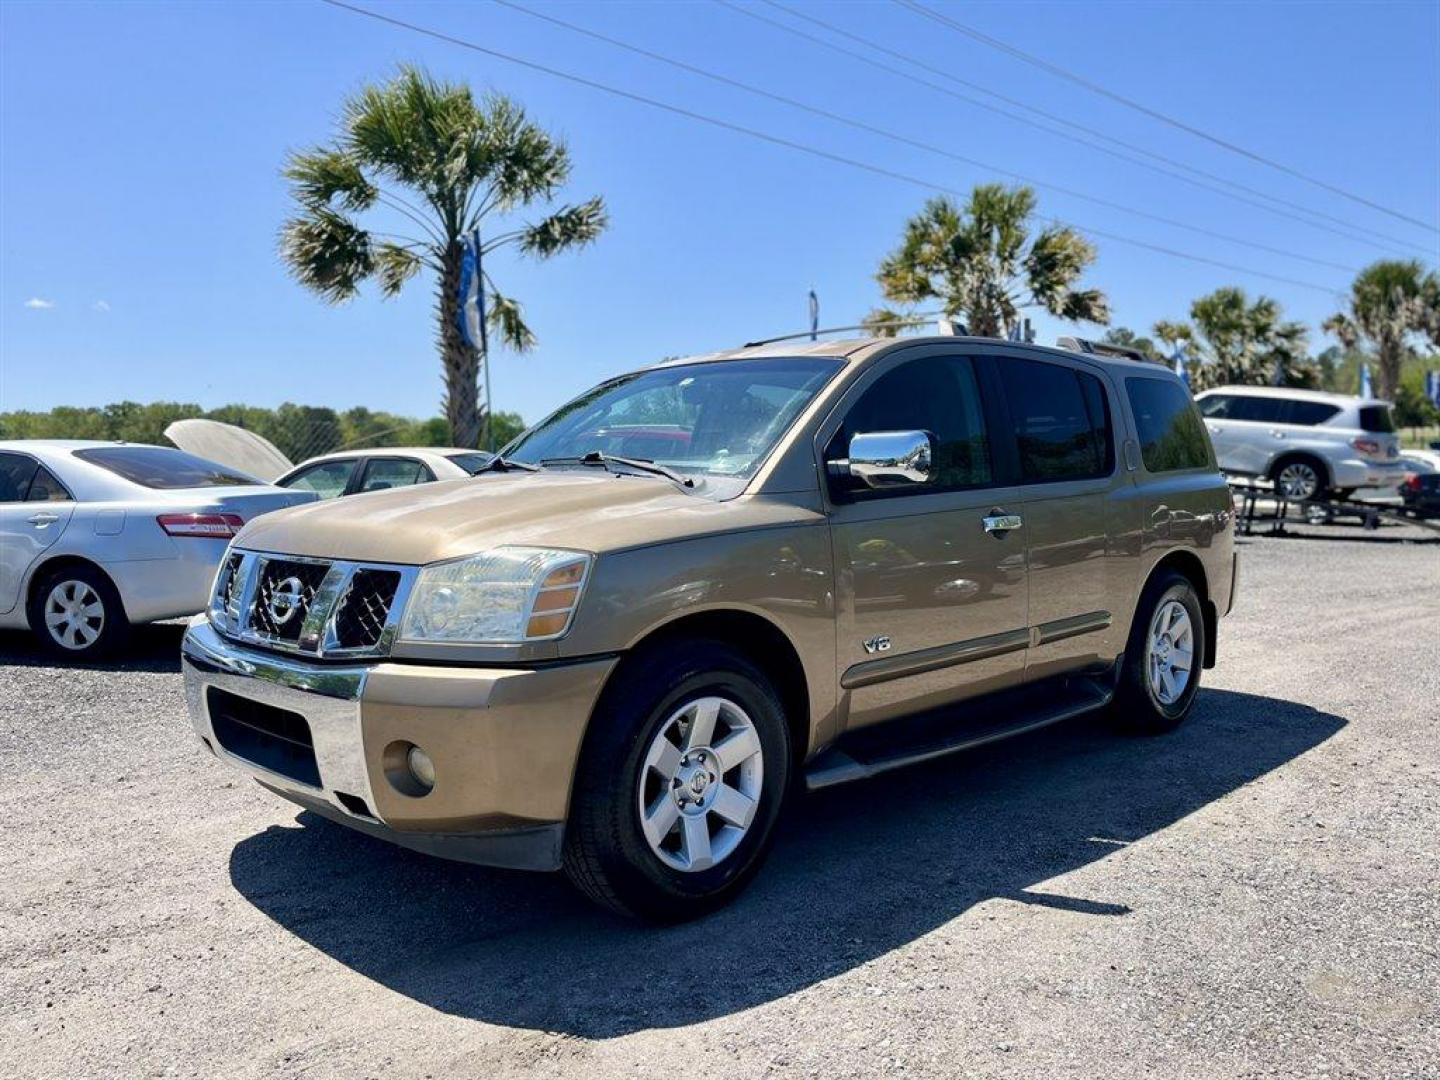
(285, 600)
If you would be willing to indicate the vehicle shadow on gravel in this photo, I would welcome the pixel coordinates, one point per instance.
(857, 871)
(152, 647)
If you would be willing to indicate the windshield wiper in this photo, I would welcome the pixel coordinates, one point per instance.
(597, 457)
(502, 464)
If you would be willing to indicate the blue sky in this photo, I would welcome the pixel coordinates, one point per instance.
(140, 146)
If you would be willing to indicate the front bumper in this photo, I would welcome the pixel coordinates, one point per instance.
(504, 742)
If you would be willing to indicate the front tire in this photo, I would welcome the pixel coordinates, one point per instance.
(1160, 675)
(77, 614)
(679, 785)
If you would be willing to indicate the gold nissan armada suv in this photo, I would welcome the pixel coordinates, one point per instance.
(702, 586)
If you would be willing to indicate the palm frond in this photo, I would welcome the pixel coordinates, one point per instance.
(394, 266)
(570, 226)
(1055, 261)
(324, 176)
(327, 253)
(507, 322)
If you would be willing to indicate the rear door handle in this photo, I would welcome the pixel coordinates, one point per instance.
(43, 518)
(996, 524)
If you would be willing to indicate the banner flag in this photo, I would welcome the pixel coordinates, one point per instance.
(468, 315)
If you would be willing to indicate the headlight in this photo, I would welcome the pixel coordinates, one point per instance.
(502, 597)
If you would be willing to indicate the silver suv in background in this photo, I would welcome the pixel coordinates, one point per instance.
(1310, 443)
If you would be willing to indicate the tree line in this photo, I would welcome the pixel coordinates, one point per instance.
(298, 431)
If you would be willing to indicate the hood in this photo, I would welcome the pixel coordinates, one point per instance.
(587, 510)
(234, 446)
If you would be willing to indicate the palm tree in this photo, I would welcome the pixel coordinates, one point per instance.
(462, 163)
(983, 265)
(1241, 342)
(1390, 303)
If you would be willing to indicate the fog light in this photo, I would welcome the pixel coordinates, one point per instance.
(421, 767)
(409, 769)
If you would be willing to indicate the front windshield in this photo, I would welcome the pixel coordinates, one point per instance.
(716, 419)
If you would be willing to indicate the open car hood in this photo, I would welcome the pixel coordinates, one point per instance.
(230, 445)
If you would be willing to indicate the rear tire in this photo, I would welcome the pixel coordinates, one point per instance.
(660, 828)
(1300, 477)
(1157, 689)
(76, 613)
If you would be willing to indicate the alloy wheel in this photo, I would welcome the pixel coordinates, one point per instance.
(74, 614)
(1298, 480)
(1170, 652)
(700, 784)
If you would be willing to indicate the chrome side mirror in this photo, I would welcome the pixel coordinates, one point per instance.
(885, 459)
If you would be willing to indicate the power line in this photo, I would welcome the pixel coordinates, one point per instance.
(872, 129)
(778, 140)
(1131, 103)
(1370, 236)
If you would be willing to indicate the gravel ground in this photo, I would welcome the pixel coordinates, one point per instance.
(1257, 894)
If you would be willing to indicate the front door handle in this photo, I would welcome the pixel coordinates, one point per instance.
(998, 524)
(43, 518)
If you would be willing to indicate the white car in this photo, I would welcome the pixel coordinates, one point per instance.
(350, 472)
(1308, 442)
(95, 536)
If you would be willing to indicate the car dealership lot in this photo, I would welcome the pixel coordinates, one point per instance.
(1257, 894)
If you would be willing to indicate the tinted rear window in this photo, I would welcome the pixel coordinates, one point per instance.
(1171, 434)
(159, 467)
(1061, 421)
(1376, 418)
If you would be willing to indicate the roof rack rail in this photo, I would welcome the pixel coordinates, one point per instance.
(922, 320)
(1101, 348)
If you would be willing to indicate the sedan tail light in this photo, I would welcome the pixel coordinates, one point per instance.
(1366, 446)
(207, 525)
(1412, 482)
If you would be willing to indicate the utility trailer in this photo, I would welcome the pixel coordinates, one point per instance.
(1251, 492)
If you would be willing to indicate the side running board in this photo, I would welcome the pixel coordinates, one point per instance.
(871, 751)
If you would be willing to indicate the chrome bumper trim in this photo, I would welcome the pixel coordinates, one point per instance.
(328, 699)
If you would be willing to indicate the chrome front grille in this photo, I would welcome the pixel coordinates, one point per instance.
(317, 607)
(364, 607)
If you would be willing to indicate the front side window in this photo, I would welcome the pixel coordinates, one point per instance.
(328, 479)
(1171, 434)
(384, 473)
(938, 395)
(1215, 406)
(1257, 410)
(162, 468)
(16, 471)
(1062, 425)
(718, 419)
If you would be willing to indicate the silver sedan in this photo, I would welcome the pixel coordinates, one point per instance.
(96, 536)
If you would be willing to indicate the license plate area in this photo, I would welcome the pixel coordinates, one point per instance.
(266, 736)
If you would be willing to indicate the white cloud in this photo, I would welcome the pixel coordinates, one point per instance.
(37, 304)
(100, 305)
